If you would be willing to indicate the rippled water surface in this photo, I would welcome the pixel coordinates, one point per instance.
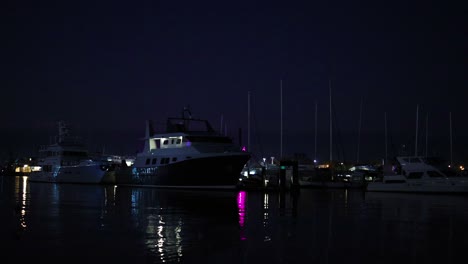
(108, 224)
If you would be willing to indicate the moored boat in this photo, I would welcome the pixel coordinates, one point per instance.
(67, 161)
(189, 153)
(416, 175)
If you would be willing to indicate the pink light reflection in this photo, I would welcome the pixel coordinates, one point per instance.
(241, 196)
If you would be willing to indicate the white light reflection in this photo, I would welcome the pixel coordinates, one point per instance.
(266, 215)
(164, 239)
(160, 244)
(265, 209)
(155, 241)
(346, 197)
(23, 204)
(178, 229)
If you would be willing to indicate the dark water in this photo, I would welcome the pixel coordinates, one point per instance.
(106, 224)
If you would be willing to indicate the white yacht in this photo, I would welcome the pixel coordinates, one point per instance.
(415, 174)
(67, 161)
(189, 154)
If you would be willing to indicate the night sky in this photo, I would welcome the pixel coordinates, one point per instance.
(107, 66)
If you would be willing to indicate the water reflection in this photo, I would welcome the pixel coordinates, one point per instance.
(23, 203)
(176, 224)
(416, 224)
(145, 225)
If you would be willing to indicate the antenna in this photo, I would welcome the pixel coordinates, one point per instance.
(187, 110)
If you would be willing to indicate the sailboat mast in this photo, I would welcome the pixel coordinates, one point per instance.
(248, 121)
(385, 120)
(221, 125)
(315, 140)
(427, 133)
(416, 141)
(451, 150)
(331, 127)
(281, 118)
(359, 131)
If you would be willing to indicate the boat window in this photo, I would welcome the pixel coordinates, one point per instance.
(434, 174)
(158, 143)
(165, 142)
(154, 161)
(178, 141)
(172, 141)
(147, 161)
(415, 175)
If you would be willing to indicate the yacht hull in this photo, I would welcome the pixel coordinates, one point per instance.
(413, 174)
(71, 174)
(210, 172)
